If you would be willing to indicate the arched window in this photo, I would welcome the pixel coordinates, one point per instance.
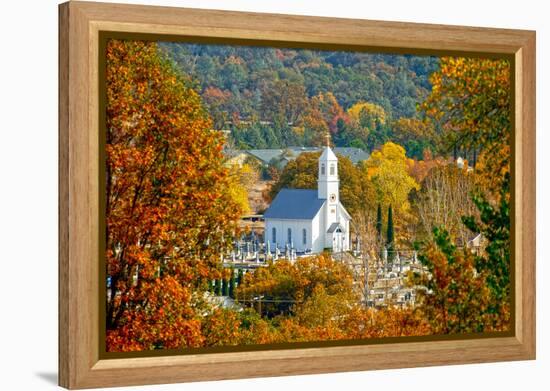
(304, 236)
(274, 234)
(289, 234)
(322, 169)
(332, 169)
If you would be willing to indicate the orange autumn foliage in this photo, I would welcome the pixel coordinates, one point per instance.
(471, 99)
(168, 210)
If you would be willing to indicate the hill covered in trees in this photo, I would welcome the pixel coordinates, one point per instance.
(272, 98)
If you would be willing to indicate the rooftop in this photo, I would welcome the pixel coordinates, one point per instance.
(266, 155)
(298, 204)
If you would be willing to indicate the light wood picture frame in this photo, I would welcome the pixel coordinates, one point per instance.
(80, 26)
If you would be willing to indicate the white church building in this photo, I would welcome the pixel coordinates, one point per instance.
(310, 220)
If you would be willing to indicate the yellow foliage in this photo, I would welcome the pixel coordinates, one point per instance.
(371, 113)
(387, 169)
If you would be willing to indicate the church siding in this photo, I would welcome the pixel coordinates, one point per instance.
(317, 240)
(296, 226)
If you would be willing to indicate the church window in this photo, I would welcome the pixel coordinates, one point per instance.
(304, 236)
(332, 169)
(289, 234)
(322, 169)
(274, 234)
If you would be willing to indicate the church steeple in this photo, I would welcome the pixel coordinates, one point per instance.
(327, 184)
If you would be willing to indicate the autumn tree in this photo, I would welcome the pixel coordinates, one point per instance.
(368, 123)
(221, 328)
(328, 106)
(217, 101)
(362, 323)
(471, 99)
(493, 224)
(444, 198)
(314, 127)
(368, 115)
(455, 297)
(284, 285)
(387, 170)
(232, 284)
(168, 212)
(284, 101)
(416, 135)
(322, 309)
(419, 169)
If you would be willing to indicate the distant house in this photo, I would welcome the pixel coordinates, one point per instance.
(265, 156)
(310, 220)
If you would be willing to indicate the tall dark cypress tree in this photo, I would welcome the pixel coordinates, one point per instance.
(390, 234)
(225, 287)
(240, 277)
(232, 284)
(379, 221)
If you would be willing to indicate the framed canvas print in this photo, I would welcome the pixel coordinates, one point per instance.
(247, 195)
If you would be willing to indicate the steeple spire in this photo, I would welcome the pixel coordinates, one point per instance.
(327, 183)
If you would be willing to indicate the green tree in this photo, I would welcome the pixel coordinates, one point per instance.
(232, 284)
(240, 277)
(494, 226)
(456, 297)
(225, 287)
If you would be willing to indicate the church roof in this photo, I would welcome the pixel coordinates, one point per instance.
(356, 155)
(296, 204)
(328, 154)
(333, 227)
(266, 155)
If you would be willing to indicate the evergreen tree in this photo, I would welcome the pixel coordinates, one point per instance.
(240, 276)
(390, 234)
(232, 284)
(225, 287)
(493, 224)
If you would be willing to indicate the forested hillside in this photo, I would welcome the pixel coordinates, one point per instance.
(271, 97)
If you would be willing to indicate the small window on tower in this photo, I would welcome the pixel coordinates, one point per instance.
(274, 234)
(322, 169)
(332, 168)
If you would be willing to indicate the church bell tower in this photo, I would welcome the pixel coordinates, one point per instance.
(328, 182)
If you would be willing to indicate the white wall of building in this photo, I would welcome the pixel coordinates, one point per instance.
(318, 243)
(296, 226)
